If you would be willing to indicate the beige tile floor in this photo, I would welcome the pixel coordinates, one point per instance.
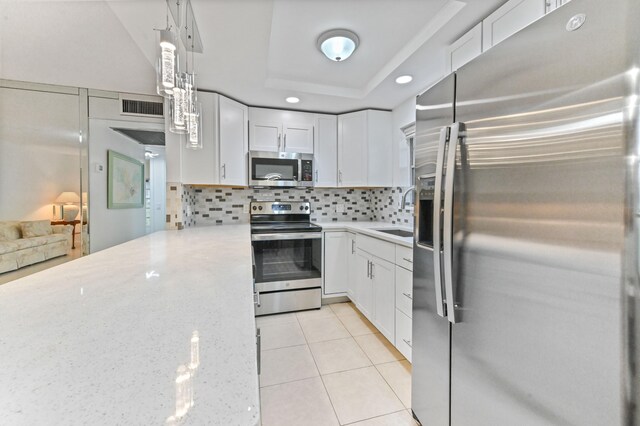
(331, 367)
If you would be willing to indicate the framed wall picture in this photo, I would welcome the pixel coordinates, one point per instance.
(125, 182)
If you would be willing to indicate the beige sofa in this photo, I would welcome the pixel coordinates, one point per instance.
(26, 243)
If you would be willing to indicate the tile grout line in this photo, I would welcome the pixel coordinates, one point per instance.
(374, 417)
(335, 413)
(389, 384)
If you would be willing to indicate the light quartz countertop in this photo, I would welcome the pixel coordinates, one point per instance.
(99, 340)
(370, 228)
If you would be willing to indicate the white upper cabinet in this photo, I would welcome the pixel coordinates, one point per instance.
(465, 48)
(233, 142)
(510, 18)
(380, 149)
(554, 4)
(280, 130)
(325, 150)
(200, 166)
(365, 149)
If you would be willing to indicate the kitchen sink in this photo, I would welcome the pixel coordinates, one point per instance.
(397, 232)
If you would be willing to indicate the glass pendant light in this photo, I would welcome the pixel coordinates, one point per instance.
(166, 66)
(194, 108)
(194, 140)
(178, 123)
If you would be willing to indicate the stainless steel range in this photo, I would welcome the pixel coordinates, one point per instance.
(288, 257)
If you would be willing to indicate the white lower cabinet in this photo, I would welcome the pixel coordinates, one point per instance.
(403, 334)
(364, 284)
(352, 264)
(375, 275)
(384, 293)
(336, 259)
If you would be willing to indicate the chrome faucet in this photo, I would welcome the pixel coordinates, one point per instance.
(403, 204)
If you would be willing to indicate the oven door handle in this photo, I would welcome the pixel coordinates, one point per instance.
(287, 236)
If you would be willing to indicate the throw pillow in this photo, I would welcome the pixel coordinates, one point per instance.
(36, 228)
(9, 231)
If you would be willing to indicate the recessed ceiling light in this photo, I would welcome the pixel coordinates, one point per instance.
(338, 45)
(292, 100)
(404, 79)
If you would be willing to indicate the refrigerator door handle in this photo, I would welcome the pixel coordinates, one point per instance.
(437, 217)
(447, 246)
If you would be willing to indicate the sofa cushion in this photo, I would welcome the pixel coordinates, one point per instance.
(36, 228)
(10, 231)
(48, 239)
(8, 247)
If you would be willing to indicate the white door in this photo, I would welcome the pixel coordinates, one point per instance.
(298, 138)
(233, 142)
(352, 266)
(384, 297)
(364, 286)
(510, 18)
(336, 269)
(325, 151)
(352, 149)
(266, 136)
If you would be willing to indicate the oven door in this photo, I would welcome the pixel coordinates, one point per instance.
(273, 171)
(287, 261)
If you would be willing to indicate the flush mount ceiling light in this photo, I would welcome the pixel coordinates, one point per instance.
(404, 79)
(338, 45)
(292, 100)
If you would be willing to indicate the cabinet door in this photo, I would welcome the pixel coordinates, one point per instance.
(325, 151)
(384, 296)
(233, 142)
(298, 138)
(379, 149)
(266, 136)
(403, 334)
(352, 265)
(336, 271)
(404, 291)
(352, 149)
(364, 285)
(200, 167)
(465, 48)
(510, 18)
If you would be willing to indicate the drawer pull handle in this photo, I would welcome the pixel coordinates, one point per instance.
(408, 342)
(408, 260)
(410, 296)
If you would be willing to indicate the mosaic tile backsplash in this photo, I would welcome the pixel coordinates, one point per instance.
(200, 206)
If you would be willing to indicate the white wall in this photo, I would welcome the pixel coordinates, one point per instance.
(109, 227)
(401, 116)
(39, 151)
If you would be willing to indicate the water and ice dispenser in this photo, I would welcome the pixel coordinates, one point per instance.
(425, 190)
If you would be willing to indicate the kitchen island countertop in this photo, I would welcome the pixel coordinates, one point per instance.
(99, 340)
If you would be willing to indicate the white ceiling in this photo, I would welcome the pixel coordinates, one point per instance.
(256, 51)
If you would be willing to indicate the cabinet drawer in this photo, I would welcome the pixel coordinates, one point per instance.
(376, 247)
(404, 257)
(404, 291)
(403, 334)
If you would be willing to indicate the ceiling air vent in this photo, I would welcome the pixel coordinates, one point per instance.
(141, 108)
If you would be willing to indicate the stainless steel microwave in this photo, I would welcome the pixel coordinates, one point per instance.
(284, 169)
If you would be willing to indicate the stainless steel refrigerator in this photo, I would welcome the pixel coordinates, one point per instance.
(525, 255)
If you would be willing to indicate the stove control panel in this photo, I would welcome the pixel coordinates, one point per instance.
(277, 207)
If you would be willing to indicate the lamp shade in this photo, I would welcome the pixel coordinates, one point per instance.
(68, 197)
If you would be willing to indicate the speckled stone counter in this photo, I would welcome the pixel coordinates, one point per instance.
(371, 229)
(100, 340)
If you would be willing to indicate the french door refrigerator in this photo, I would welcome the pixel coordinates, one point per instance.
(525, 255)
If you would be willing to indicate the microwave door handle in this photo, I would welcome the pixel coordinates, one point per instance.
(447, 243)
(437, 218)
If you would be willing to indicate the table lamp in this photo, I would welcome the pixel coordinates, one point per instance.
(69, 210)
